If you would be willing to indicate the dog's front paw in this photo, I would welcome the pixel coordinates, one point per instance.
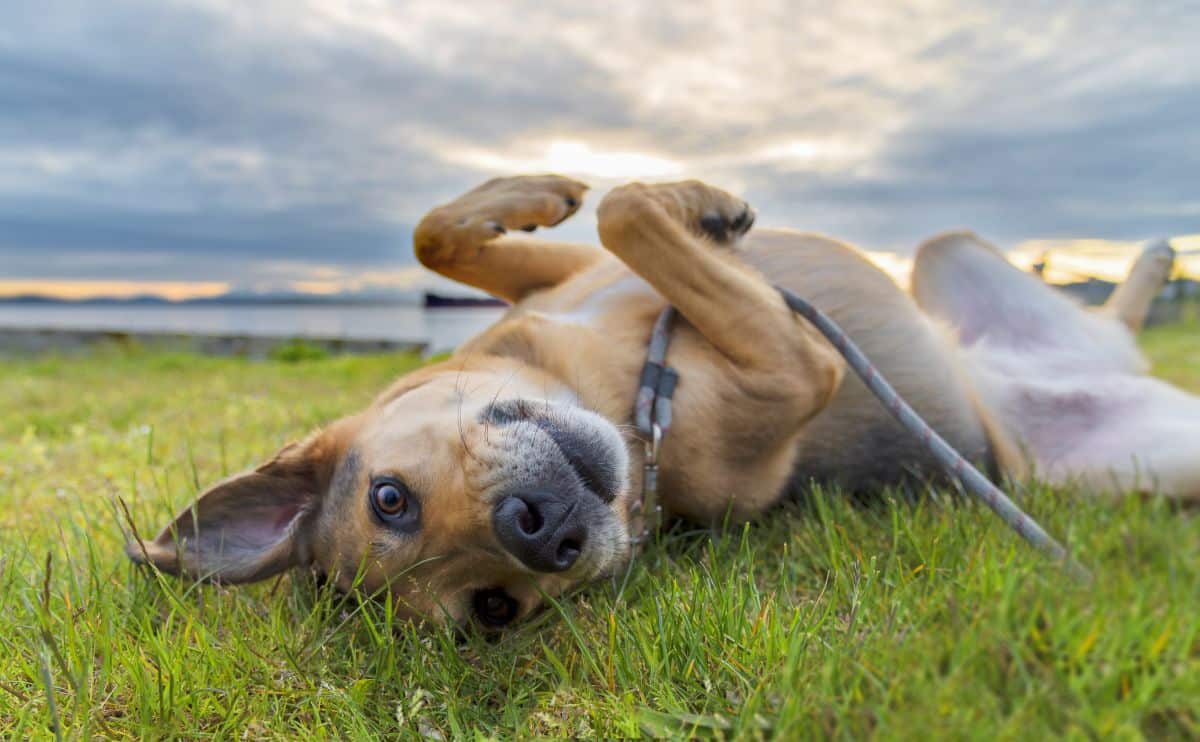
(699, 207)
(523, 202)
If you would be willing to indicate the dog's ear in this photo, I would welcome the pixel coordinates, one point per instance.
(252, 525)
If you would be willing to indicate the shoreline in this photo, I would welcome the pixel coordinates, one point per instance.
(36, 340)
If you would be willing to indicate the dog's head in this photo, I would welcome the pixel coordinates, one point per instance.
(465, 492)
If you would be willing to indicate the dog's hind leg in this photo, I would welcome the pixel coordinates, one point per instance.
(1066, 384)
(1130, 302)
(467, 239)
(966, 283)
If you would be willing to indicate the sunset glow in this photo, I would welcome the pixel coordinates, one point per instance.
(572, 157)
(75, 290)
(1069, 261)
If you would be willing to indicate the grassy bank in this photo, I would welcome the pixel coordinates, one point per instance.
(902, 621)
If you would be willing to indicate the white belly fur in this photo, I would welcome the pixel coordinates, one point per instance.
(1081, 423)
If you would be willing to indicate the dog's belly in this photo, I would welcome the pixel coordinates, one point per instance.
(1083, 423)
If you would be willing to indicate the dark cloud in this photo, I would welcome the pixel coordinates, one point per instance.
(215, 140)
(1130, 175)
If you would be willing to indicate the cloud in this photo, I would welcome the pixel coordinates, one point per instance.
(232, 141)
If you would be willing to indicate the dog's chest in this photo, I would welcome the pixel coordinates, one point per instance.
(590, 333)
(595, 299)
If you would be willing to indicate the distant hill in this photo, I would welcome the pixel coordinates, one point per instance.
(99, 300)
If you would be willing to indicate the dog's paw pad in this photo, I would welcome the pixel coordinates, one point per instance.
(744, 221)
(715, 226)
(721, 228)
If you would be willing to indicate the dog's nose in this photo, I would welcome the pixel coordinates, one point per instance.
(546, 531)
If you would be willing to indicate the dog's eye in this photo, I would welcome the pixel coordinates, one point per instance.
(495, 608)
(394, 504)
(390, 500)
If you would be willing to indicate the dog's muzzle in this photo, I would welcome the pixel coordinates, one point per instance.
(559, 495)
(546, 531)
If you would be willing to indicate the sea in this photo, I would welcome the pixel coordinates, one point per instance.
(440, 329)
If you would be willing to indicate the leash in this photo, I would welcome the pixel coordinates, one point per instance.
(652, 418)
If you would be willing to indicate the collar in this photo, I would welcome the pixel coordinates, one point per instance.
(652, 419)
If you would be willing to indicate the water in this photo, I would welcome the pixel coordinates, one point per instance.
(441, 329)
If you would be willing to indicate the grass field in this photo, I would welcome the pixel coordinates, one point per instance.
(899, 621)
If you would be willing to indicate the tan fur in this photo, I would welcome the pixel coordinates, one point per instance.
(764, 402)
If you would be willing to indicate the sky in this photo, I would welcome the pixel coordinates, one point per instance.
(190, 148)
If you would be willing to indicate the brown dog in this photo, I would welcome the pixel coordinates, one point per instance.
(474, 484)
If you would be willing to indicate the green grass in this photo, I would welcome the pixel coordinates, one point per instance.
(826, 620)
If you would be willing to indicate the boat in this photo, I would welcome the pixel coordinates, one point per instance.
(442, 301)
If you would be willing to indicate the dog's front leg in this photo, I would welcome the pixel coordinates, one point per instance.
(467, 239)
(669, 234)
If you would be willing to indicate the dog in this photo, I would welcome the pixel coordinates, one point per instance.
(475, 486)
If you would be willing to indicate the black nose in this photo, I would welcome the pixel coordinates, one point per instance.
(544, 530)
